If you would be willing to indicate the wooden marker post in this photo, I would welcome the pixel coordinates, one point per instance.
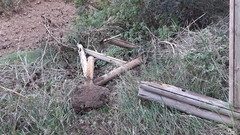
(234, 53)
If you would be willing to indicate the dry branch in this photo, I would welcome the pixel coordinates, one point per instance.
(83, 58)
(107, 77)
(105, 58)
(189, 102)
(119, 42)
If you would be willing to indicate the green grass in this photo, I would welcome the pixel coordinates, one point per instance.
(46, 108)
(29, 56)
(47, 77)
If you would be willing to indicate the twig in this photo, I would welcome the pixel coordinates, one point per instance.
(107, 39)
(166, 42)
(12, 91)
(196, 20)
(171, 44)
(62, 44)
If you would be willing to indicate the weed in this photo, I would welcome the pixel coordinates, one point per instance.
(196, 61)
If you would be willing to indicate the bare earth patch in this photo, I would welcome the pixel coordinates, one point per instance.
(27, 28)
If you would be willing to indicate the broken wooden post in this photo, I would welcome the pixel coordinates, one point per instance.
(107, 77)
(105, 58)
(234, 53)
(190, 102)
(83, 58)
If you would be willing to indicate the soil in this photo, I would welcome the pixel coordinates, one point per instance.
(41, 20)
(88, 97)
(31, 23)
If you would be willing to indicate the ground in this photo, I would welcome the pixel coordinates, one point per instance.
(27, 27)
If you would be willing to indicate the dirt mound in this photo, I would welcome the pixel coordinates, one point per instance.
(28, 27)
(89, 97)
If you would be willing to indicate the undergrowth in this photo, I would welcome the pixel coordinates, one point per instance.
(196, 60)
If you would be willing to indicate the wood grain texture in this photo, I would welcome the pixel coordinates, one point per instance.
(107, 77)
(199, 105)
(190, 109)
(234, 53)
(105, 58)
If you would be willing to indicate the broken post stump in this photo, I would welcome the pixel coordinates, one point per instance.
(89, 96)
(107, 77)
(190, 102)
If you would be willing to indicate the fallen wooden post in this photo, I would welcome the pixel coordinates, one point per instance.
(107, 77)
(190, 102)
(118, 42)
(83, 58)
(105, 58)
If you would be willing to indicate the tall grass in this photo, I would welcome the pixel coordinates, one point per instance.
(193, 60)
(196, 61)
(45, 107)
(200, 66)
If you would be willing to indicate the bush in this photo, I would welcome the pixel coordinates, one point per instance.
(183, 12)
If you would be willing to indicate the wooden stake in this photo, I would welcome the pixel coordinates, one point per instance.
(90, 69)
(105, 58)
(83, 58)
(107, 77)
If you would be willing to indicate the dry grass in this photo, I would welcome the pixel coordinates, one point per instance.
(48, 81)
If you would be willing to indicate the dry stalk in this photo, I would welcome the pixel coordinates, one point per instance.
(19, 94)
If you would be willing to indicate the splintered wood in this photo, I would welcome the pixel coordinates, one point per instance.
(190, 102)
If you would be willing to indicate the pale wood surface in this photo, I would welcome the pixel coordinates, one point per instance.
(185, 107)
(105, 58)
(234, 53)
(107, 77)
(83, 58)
(191, 98)
(90, 69)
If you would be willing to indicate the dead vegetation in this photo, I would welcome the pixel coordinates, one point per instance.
(47, 78)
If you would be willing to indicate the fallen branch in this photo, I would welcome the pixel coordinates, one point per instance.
(107, 77)
(118, 42)
(105, 58)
